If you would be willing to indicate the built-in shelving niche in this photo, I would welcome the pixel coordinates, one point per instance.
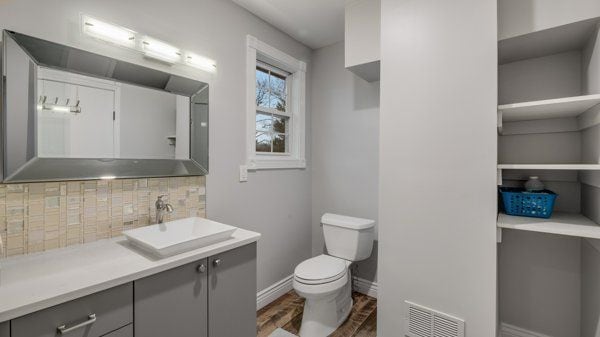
(549, 112)
(549, 126)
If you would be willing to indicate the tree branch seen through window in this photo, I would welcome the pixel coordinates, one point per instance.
(272, 129)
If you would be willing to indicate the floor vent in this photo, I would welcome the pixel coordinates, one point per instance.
(425, 322)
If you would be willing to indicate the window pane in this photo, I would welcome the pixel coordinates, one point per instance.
(280, 124)
(277, 86)
(264, 122)
(280, 143)
(263, 141)
(262, 87)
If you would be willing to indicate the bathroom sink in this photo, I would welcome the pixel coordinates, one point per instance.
(179, 236)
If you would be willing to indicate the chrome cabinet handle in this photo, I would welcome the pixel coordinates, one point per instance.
(217, 262)
(201, 269)
(63, 328)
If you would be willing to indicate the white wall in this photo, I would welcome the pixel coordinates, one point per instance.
(517, 17)
(275, 203)
(437, 219)
(345, 146)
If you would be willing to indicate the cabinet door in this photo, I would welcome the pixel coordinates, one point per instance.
(172, 303)
(232, 293)
(4, 329)
(126, 331)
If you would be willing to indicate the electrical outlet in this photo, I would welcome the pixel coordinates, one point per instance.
(243, 173)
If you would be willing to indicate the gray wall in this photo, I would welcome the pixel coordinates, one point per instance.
(437, 219)
(517, 17)
(541, 78)
(591, 64)
(147, 119)
(345, 146)
(540, 282)
(275, 203)
(590, 291)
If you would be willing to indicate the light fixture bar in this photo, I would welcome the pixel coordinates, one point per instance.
(108, 32)
(201, 62)
(149, 46)
(161, 51)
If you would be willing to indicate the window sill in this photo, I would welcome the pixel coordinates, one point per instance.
(274, 163)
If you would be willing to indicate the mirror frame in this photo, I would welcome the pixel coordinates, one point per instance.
(31, 168)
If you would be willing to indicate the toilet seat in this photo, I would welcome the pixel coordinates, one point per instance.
(320, 270)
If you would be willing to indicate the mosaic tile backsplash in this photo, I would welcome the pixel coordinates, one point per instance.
(42, 216)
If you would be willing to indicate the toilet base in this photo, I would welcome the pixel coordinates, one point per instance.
(324, 315)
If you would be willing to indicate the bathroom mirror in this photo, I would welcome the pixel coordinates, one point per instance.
(69, 114)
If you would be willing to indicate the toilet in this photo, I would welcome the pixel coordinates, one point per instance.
(325, 281)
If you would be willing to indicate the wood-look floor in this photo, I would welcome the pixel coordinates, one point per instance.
(286, 313)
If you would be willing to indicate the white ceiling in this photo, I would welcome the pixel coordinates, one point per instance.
(315, 23)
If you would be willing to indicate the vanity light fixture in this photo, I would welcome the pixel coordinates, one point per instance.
(108, 32)
(108, 177)
(161, 51)
(149, 46)
(201, 62)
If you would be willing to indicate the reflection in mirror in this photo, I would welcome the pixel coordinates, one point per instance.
(84, 117)
(70, 115)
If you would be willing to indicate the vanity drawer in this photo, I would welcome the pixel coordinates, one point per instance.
(91, 316)
(126, 331)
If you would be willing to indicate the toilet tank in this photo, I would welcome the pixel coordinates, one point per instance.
(347, 237)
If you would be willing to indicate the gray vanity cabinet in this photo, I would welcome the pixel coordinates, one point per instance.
(4, 329)
(214, 297)
(232, 293)
(173, 303)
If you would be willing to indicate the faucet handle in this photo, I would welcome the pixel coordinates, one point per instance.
(162, 196)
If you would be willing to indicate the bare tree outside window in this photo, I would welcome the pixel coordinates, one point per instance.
(271, 127)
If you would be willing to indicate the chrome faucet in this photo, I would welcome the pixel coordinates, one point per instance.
(161, 208)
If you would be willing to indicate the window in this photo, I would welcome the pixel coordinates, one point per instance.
(272, 118)
(275, 108)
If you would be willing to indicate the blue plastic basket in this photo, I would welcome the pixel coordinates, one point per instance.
(519, 202)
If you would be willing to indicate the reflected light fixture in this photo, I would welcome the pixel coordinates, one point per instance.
(201, 62)
(55, 107)
(161, 51)
(108, 32)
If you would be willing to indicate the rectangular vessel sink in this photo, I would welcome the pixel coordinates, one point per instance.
(179, 236)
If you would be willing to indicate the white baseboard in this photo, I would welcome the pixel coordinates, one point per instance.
(273, 292)
(363, 286)
(507, 330)
(277, 290)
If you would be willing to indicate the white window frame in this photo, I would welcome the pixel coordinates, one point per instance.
(258, 51)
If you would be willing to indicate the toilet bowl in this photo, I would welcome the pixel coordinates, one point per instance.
(325, 281)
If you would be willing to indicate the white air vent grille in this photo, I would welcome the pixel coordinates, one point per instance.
(425, 322)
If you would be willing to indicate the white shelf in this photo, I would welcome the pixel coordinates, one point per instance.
(573, 36)
(567, 167)
(548, 109)
(561, 223)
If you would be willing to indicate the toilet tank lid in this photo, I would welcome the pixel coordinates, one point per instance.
(346, 221)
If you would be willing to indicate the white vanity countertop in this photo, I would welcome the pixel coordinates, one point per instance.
(34, 282)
